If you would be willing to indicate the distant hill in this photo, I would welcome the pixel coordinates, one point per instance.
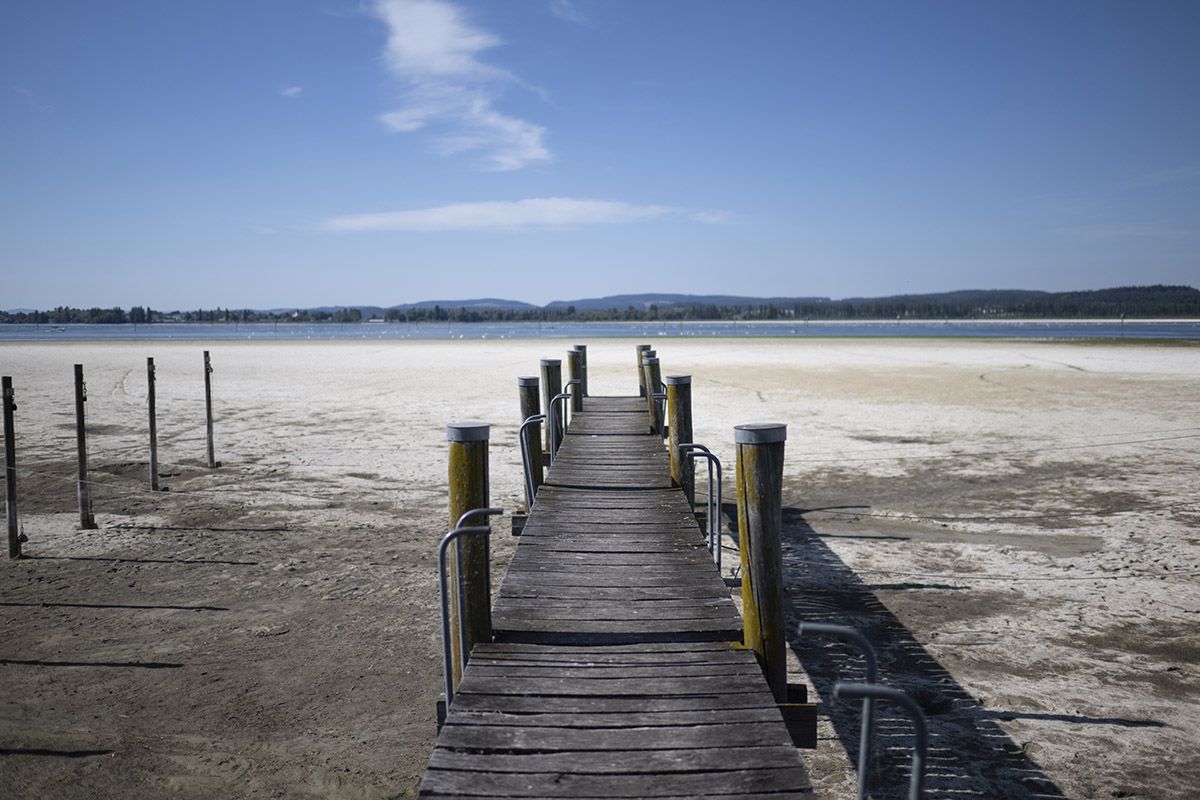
(1131, 301)
(664, 301)
(480, 304)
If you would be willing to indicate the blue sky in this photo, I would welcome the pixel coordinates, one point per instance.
(262, 154)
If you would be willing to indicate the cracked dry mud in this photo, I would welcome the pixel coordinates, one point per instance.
(1013, 523)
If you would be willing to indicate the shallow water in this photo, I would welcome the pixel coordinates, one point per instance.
(269, 331)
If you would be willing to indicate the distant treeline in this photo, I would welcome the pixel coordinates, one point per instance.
(1132, 301)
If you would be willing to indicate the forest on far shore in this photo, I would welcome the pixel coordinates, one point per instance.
(1131, 301)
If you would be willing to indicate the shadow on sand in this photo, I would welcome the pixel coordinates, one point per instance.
(969, 754)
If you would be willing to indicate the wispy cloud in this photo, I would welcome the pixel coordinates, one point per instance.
(538, 212)
(571, 11)
(31, 98)
(434, 51)
(292, 91)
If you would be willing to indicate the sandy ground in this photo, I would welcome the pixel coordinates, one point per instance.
(1014, 524)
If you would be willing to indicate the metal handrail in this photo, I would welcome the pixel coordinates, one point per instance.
(527, 458)
(554, 424)
(916, 783)
(866, 739)
(660, 405)
(454, 535)
(693, 451)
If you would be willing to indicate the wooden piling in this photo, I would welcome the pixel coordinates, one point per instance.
(208, 414)
(760, 522)
(84, 488)
(527, 387)
(551, 388)
(653, 376)
(468, 473)
(575, 373)
(150, 402)
(640, 352)
(679, 428)
(582, 348)
(10, 468)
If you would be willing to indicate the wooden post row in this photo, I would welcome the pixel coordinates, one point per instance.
(527, 388)
(468, 473)
(760, 521)
(551, 372)
(10, 468)
(679, 428)
(84, 488)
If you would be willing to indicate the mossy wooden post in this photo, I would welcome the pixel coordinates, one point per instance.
(653, 379)
(10, 468)
(641, 368)
(551, 388)
(84, 488)
(575, 373)
(527, 387)
(679, 428)
(760, 500)
(212, 460)
(582, 348)
(150, 402)
(468, 472)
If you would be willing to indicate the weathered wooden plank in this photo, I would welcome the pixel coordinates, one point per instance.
(610, 579)
(588, 672)
(518, 703)
(569, 785)
(625, 761)
(627, 593)
(658, 652)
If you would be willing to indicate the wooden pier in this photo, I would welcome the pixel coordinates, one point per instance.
(613, 672)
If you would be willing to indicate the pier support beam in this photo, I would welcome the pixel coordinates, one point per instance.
(551, 388)
(86, 519)
(760, 522)
(582, 348)
(468, 473)
(575, 373)
(640, 352)
(151, 402)
(679, 428)
(208, 414)
(10, 468)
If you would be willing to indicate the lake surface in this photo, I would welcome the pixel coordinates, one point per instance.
(291, 331)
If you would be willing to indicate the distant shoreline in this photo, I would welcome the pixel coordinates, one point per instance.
(1183, 330)
(730, 322)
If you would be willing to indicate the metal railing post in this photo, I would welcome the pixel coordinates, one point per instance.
(916, 783)
(555, 421)
(450, 668)
(531, 485)
(713, 499)
(866, 739)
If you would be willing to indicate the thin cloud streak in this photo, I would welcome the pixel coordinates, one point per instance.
(433, 50)
(292, 91)
(532, 213)
(571, 11)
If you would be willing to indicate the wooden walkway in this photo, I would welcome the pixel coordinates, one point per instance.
(612, 674)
